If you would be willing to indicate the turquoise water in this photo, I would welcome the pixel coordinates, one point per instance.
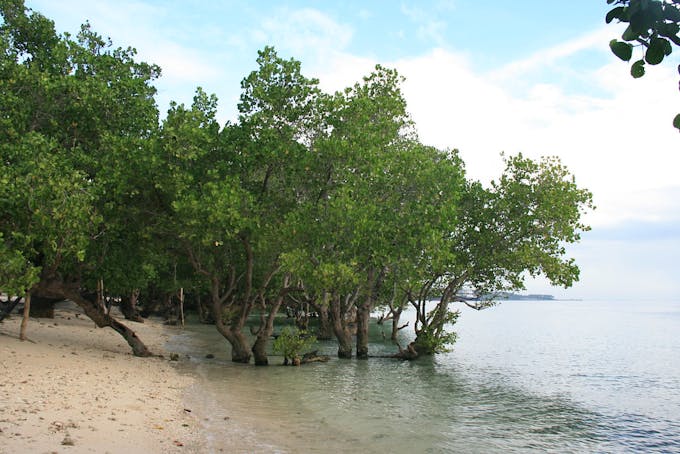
(561, 376)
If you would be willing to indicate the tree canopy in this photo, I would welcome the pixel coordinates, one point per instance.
(308, 199)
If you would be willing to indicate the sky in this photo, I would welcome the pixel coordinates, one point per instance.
(528, 76)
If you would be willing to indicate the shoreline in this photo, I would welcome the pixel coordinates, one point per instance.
(74, 388)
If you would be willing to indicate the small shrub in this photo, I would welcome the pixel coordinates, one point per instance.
(291, 343)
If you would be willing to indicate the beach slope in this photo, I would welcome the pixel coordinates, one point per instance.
(74, 388)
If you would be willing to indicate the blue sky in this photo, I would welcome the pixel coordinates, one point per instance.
(488, 77)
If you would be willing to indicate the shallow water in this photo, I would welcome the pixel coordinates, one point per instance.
(562, 376)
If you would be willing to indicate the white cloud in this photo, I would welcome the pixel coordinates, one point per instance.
(304, 30)
(621, 144)
(593, 40)
(430, 27)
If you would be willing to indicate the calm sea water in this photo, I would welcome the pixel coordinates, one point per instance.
(560, 376)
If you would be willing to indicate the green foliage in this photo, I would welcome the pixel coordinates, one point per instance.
(653, 25)
(50, 217)
(517, 227)
(637, 70)
(74, 115)
(334, 192)
(622, 50)
(17, 275)
(292, 342)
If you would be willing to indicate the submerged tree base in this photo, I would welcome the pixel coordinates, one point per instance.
(407, 354)
(311, 357)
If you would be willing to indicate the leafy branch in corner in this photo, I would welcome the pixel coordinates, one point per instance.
(653, 25)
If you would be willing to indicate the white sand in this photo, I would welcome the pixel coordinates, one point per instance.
(74, 388)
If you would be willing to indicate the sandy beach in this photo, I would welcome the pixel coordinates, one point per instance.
(74, 388)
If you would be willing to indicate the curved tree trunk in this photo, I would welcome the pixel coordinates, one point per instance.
(56, 288)
(102, 319)
(240, 347)
(233, 332)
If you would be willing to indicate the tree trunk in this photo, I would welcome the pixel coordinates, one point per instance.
(240, 349)
(396, 316)
(205, 315)
(260, 351)
(233, 333)
(364, 315)
(238, 313)
(128, 306)
(43, 307)
(340, 329)
(97, 313)
(181, 306)
(170, 309)
(57, 288)
(363, 318)
(24, 320)
(325, 326)
(260, 345)
(153, 300)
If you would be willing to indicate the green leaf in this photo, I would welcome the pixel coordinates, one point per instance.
(622, 50)
(638, 69)
(676, 121)
(656, 50)
(672, 13)
(630, 34)
(667, 48)
(616, 13)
